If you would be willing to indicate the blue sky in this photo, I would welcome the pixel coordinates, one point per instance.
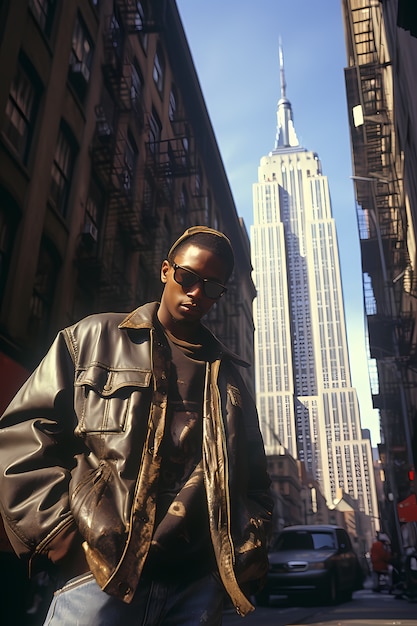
(234, 44)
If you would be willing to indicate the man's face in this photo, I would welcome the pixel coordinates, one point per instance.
(183, 307)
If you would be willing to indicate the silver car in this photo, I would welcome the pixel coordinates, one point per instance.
(315, 560)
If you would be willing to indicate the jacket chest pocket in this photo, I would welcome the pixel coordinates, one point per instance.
(104, 397)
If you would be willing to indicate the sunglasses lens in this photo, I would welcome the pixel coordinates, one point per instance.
(187, 279)
(184, 277)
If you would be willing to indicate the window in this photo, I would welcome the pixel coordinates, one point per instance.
(21, 109)
(43, 10)
(80, 58)
(105, 117)
(130, 158)
(159, 69)
(117, 38)
(155, 129)
(94, 213)
(136, 86)
(136, 92)
(172, 106)
(43, 290)
(141, 20)
(198, 181)
(61, 173)
(8, 211)
(139, 16)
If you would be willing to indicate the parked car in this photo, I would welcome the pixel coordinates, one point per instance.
(312, 560)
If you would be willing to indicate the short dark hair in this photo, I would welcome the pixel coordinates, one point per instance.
(220, 246)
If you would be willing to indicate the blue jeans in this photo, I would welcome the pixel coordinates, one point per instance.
(81, 602)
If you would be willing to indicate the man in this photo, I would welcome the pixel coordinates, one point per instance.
(381, 559)
(133, 459)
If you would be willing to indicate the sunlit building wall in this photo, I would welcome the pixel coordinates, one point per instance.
(381, 88)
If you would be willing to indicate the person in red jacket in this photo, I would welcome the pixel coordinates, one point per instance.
(381, 558)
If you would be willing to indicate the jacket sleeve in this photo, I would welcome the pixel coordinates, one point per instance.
(37, 447)
(259, 482)
(250, 459)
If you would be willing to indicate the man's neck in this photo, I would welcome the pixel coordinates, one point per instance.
(184, 331)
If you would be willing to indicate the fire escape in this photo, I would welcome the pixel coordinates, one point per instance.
(137, 17)
(119, 118)
(170, 164)
(382, 222)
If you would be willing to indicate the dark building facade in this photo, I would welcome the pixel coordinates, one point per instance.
(381, 87)
(107, 153)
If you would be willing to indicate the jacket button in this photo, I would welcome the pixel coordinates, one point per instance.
(124, 589)
(151, 450)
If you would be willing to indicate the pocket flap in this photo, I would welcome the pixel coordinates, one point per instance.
(106, 381)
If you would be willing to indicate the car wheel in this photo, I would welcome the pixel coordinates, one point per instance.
(332, 592)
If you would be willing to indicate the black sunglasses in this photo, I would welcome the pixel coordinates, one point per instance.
(187, 278)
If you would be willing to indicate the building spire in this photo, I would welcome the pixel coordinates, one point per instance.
(282, 70)
(285, 136)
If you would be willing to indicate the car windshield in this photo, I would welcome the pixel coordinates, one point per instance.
(305, 540)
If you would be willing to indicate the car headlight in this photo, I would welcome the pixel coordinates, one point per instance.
(319, 565)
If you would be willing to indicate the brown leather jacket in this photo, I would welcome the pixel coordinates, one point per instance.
(79, 450)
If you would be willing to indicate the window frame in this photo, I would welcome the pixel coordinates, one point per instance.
(23, 143)
(64, 167)
(155, 133)
(44, 12)
(159, 69)
(81, 57)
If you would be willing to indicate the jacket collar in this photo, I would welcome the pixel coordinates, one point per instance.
(143, 317)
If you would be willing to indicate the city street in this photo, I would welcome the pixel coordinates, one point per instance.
(365, 609)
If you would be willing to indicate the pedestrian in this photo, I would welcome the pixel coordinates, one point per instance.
(381, 558)
(133, 459)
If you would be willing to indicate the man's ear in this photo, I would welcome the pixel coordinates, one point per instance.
(164, 270)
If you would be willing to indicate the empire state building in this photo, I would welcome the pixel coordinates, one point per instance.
(304, 393)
